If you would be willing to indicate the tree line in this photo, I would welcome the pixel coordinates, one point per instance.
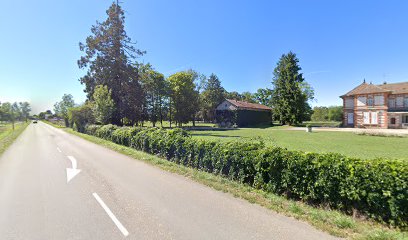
(13, 112)
(122, 91)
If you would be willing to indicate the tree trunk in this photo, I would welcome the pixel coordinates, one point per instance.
(170, 110)
(161, 113)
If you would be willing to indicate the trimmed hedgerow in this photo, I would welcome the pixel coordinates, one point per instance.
(376, 188)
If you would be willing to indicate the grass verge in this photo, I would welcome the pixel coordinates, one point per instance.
(56, 125)
(8, 135)
(333, 222)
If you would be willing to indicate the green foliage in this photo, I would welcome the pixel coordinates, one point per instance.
(156, 93)
(212, 95)
(335, 113)
(332, 113)
(290, 91)
(25, 110)
(80, 116)
(244, 96)
(110, 58)
(320, 124)
(263, 96)
(103, 105)
(234, 96)
(61, 108)
(248, 97)
(376, 188)
(184, 96)
(12, 112)
(320, 114)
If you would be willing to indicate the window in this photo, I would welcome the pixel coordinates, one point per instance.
(406, 102)
(370, 101)
(349, 102)
(350, 118)
(379, 100)
(366, 117)
(374, 118)
(393, 121)
(406, 119)
(399, 102)
(361, 101)
(391, 103)
(370, 118)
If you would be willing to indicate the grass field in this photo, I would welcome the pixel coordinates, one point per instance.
(346, 143)
(8, 135)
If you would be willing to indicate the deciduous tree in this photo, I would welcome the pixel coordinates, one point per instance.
(263, 96)
(61, 108)
(25, 110)
(155, 88)
(103, 105)
(335, 113)
(320, 114)
(80, 116)
(184, 96)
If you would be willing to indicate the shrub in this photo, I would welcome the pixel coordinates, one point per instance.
(377, 188)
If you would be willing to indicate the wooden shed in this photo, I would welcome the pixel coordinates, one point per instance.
(242, 114)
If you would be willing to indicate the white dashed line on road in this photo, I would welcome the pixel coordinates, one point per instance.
(111, 215)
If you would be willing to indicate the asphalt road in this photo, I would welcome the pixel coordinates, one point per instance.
(116, 197)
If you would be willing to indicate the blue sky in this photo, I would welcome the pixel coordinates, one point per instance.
(338, 43)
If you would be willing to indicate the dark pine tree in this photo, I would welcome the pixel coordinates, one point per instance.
(289, 100)
(110, 58)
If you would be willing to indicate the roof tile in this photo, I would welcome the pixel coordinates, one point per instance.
(393, 88)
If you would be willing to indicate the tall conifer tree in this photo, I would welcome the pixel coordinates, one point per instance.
(289, 99)
(110, 58)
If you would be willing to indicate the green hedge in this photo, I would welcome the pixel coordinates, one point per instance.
(376, 188)
(320, 124)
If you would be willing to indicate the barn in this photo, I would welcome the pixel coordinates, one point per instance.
(242, 114)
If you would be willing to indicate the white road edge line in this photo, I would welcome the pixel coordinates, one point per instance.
(111, 215)
(59, 150)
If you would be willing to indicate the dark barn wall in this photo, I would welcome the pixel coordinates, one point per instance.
(244, 118)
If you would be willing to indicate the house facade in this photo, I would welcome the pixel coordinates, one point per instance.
(376, 106)
(243, 114)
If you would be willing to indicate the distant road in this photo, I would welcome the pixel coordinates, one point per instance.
(111, 196)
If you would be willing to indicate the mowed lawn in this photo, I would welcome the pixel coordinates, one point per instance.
(346, 143)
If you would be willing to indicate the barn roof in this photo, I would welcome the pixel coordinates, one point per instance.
(247, 105)
(393, 88)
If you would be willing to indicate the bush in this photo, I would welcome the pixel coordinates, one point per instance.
(376, 188)
(80, 116)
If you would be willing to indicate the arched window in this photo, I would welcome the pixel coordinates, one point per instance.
(393, 120)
